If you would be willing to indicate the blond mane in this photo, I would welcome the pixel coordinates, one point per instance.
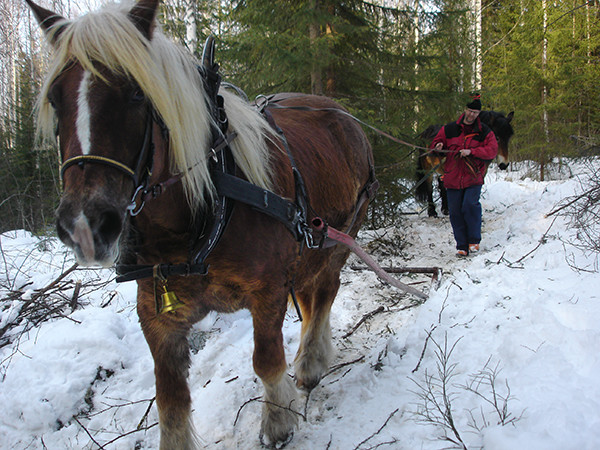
(169, 77)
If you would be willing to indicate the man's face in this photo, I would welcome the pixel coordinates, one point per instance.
(470, 115)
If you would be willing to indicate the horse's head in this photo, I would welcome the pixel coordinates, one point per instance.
(114, 70)
(103, 121)
(500, 125)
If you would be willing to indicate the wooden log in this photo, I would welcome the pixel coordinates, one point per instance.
(432, 270)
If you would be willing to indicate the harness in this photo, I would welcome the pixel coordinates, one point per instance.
(229, 187)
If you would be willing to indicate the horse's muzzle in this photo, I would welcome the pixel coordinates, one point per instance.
(92, 232)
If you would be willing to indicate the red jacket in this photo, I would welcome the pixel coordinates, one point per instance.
(462, 172)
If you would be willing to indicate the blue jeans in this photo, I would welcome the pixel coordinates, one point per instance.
(465, 215)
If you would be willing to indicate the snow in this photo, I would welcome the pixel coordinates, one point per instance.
(523, 313)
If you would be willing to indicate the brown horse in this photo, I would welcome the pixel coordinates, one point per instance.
(132, 106)
(428, 164)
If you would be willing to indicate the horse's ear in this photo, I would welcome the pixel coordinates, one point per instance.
(47, 20)
(510, 116)
(143, 15)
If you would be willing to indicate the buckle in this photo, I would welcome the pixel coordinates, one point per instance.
(133, 208)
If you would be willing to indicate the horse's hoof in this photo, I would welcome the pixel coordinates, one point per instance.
(307, 385)
(276, 444)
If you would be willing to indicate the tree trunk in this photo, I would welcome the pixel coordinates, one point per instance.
(316, 82)
(544, 92)
(477, 63)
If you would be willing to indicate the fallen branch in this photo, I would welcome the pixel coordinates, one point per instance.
(75, 296)
(389, 269)
(130, 432)
(380, 428)
(363, 320)
(424, 348)
(541, 241)
(266, 402)
(57, 299)
(237, 416)
(347, 241)
(88, 433)
(145, 416)
(574, 200)
(62, 276)
(339, 366)
(436, 272)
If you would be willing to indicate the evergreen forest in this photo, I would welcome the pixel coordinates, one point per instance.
(396, 65)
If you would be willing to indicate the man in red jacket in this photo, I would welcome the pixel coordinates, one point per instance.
(469, 146)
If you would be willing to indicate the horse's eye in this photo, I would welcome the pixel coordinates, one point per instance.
(137, 95)
(53, 96)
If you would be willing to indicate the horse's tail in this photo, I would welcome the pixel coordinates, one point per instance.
(423, 186)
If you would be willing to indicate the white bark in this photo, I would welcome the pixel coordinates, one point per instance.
(477, 63)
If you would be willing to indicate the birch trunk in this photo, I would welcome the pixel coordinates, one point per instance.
(477, 63)
(544, 92)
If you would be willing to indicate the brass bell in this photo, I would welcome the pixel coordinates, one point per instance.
(169, 302)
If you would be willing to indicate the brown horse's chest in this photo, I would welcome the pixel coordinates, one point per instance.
(242, 269)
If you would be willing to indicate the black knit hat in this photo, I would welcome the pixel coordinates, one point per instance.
(475, 102)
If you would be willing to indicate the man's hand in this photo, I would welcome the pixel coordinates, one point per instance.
(465, 152)
(438, 146)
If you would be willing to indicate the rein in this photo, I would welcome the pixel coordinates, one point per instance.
(263, 101)
(292, 214)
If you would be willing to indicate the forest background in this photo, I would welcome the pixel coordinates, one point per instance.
(397, 65)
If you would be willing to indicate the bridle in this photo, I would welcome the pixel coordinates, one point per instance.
(139, 174)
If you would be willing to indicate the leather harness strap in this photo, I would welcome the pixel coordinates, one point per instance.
(263, 200)
(292, 214)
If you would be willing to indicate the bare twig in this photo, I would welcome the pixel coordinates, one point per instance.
(258, 399)
(541, 241)
(145, 416)
(435, 394)
(379, 430)
(487, 378)
(339, 366)
(237, 416)
(88, 433)
(574, 200)
(424, 348)
(75, 296)
(364, 318)
(130, 432)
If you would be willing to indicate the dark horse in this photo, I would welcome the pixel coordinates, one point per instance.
(428, 164)
(131, 105)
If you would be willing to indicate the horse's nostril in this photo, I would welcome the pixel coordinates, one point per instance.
(503, 166)
(110, 226)
(62, 232)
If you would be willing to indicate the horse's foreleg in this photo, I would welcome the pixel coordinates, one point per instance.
(281, 405)
(444, 196)
(315, 350)
(430, 203)
(166, 335)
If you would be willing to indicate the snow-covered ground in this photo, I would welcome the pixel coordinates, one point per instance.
(513, 330)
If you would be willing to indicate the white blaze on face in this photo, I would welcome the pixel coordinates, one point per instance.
(83, 236)
(83, 114)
